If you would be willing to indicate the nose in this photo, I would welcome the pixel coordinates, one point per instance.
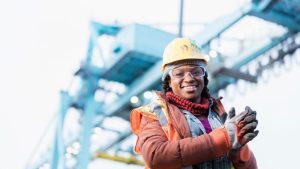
(189, 77)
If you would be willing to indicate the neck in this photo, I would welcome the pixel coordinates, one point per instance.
(196, 100)
(196, 108)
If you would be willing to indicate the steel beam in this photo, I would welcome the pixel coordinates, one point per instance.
(88, 116)
(142, 83)
(261, 51)
(237, 74)
(264, 5)
(180, 18)
(57, 159)
(217, 27)
(278, 18)
(128, 160)
(111, 30)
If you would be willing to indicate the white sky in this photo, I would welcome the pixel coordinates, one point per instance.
(43, 41)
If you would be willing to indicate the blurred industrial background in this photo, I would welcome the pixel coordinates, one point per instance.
(73, 71)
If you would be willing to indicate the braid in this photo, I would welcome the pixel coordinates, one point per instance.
(205, 92)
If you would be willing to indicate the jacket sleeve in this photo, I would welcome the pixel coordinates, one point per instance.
(160, 153)
(244, 159)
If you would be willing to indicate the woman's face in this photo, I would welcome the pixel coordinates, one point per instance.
(187, 81)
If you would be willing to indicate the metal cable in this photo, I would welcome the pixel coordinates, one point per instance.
(46, 130)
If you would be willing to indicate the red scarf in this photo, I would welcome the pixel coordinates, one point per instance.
(195, 108)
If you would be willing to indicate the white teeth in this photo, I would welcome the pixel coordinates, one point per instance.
(190, 88)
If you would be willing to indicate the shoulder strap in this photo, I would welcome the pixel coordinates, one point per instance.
(156, 110)
(159, 107)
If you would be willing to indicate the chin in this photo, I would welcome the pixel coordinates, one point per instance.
(192, 98)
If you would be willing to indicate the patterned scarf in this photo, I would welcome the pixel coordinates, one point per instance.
(195, 108)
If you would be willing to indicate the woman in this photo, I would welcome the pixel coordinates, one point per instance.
(184, 127)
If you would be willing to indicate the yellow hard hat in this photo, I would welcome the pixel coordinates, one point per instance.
(182, 49)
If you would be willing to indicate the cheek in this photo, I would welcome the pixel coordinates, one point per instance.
(201, 83)
(174, 84)
(201, 80)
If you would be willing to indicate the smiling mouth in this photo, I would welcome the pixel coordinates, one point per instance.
(190, 88)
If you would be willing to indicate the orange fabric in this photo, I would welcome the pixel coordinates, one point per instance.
(217, 138)
(160, 152)
(172, 147)
(135, 123)
(170, 132)
(244, 159)
(245, 154)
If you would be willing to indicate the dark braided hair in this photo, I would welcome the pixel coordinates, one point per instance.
(205, 92)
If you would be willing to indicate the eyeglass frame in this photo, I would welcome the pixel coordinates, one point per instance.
(189, 72)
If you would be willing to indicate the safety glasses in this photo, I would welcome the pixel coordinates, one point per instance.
(181, 72)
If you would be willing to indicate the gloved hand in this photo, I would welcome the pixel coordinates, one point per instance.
(241, 128)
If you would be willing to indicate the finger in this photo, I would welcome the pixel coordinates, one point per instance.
(252, 113)
(231, 112)
(243, 123)
(256, 132)
(248, 109)
(240, 116)
(251, 135)
(248, 137)
(247, 119)
(223, 117)
(250, 127)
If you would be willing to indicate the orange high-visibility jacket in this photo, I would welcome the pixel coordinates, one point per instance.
(164, 139)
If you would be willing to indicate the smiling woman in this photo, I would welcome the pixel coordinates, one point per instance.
(187, 81)
(183, 126)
